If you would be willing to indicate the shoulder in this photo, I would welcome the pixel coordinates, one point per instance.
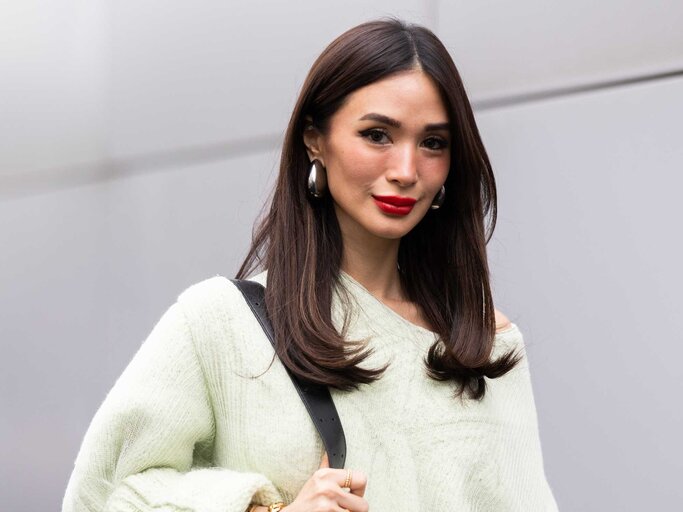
(502, 322)
(205, 291)
(508, 336)
(215, 298)
(217, 317)
(214, 289)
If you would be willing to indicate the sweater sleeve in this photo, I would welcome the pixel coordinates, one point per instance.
(149, 445)
(523, 463)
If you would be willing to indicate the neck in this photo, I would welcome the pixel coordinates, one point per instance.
(373, 263)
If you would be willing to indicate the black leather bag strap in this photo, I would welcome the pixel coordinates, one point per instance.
(315, 397)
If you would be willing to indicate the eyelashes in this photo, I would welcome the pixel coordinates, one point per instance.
(372, 134)
(381, 137)
(440, 143)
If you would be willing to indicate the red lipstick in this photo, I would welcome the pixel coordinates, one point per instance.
(397, 205)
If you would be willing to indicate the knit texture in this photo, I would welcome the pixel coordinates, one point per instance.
(200, 420)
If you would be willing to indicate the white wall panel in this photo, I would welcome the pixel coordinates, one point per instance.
(189, 74)
(54, 340)
(173, 228)
(587, 261)
(506, 48)
(52, 65)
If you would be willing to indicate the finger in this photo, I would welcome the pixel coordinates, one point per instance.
(325, 463)
(358, 482)
(350, 501)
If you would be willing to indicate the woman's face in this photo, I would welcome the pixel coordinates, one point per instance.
(388, 143)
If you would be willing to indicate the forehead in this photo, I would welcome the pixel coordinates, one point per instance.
(411, 97)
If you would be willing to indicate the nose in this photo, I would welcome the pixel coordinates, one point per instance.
(403, 168)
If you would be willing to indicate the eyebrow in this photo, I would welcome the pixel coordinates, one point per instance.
(372, 116)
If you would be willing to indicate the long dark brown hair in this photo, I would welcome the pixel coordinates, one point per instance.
(443, 262)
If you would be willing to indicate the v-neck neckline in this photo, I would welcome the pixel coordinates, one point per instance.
(382, 307)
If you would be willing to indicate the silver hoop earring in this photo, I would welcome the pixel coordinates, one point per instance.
(317, 179)
(438, 200)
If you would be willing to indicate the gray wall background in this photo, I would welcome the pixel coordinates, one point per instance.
(139, 140)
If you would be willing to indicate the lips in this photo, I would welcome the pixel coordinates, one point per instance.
(397, 200)
(395, 205)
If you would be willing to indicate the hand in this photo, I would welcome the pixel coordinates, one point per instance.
(323, 492)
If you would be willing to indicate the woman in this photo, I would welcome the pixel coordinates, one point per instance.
(377, 285)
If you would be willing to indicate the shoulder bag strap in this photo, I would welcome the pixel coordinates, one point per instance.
(316, 398)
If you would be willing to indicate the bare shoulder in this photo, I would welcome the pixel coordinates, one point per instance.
(502, 322)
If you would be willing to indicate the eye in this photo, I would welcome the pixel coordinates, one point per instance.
(375, 135)
(436, 143)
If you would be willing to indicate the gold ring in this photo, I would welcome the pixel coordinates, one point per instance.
(347, 482)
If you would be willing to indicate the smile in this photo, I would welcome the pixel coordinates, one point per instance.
(395, 205)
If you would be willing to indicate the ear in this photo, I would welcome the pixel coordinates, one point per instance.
(313, 140)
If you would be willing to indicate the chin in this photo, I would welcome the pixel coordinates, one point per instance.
(391, 233)
(391, 236)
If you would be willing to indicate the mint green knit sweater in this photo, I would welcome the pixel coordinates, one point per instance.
(186, 428)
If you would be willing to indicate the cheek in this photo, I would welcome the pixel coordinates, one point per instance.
(356, 165)
(435, 171)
